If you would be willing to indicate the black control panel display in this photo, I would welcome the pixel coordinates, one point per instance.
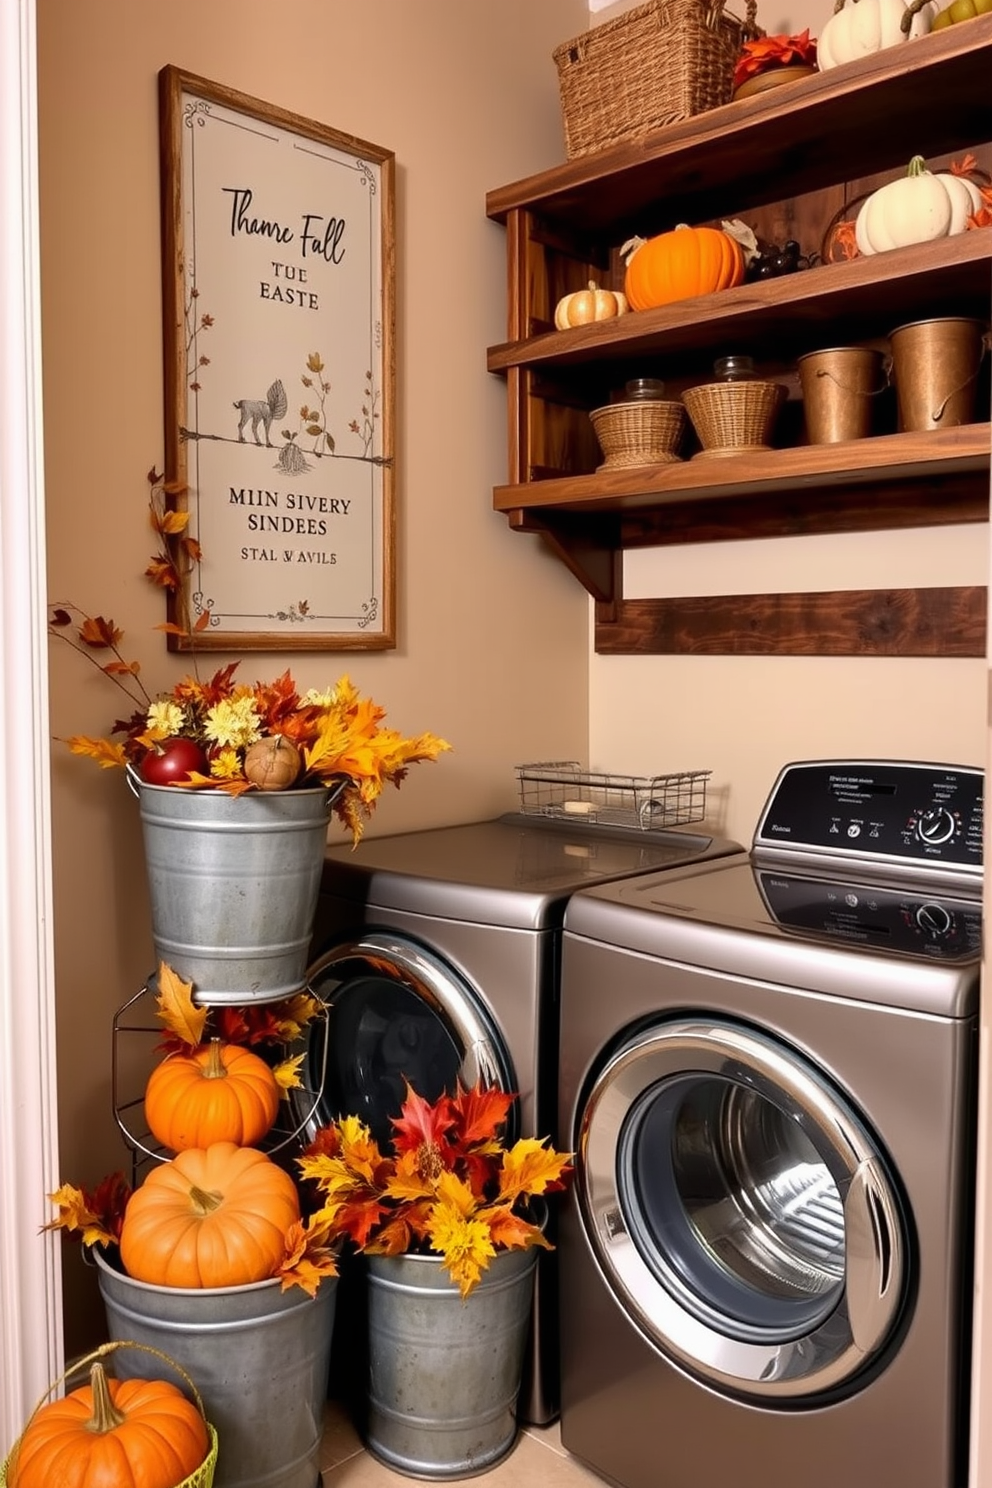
(930, 815)
(937, 927)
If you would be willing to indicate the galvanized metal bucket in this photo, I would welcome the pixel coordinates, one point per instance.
(234, 884)
(444, 1374)
(260, 1357)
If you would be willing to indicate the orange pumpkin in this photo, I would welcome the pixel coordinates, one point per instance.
(681, 264)
(214, 1216)
(216, 1093)
(129, 1433)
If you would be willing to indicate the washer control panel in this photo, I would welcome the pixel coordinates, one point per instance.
(887, 811)
(875, 915)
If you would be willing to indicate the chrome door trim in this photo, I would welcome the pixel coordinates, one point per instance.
(876, 1258)
(423, 974)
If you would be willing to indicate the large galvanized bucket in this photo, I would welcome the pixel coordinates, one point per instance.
(444, 1374)
(260, 1357)
(234, 884)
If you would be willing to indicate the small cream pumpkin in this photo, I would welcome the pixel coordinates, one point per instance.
(917, 208)
(862, 27)
(587, 305)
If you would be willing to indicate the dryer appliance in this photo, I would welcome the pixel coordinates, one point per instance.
(768, 1069)
(437, 953)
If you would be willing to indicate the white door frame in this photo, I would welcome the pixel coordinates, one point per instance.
(31, 1346)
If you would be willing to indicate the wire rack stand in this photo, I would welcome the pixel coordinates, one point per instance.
(564, 790)
(137, 1035)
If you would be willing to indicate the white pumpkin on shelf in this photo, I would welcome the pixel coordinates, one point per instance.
(917, 208)
(858, 28)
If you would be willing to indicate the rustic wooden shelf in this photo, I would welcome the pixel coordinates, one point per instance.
(799, 154)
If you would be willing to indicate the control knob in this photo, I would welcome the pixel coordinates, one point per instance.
(934, 919)
(935, 826)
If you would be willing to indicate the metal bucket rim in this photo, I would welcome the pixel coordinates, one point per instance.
(120, 1274)
(834, 350)
(937, 320)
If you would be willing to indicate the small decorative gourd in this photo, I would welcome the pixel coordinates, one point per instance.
(272, 763)
(917, 208)
(217, 1092)
(586, 305)
(128, 1433)
(214, 1216)
(859, 28)
(681, 264)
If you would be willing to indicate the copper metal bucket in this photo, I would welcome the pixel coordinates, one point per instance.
(935, 366)
(838, 385)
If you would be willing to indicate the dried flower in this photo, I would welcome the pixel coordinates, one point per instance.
(766, 52)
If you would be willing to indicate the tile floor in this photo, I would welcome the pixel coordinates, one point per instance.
(537, 1460)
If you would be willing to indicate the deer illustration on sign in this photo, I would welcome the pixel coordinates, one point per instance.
(261, 413)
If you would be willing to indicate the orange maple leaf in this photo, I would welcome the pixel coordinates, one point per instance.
(97, 1215)
(530, 1167)
(97, 632)
(109, 756)
(420, 1124)
(308, 1259)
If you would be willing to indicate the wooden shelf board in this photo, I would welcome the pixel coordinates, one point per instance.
(858, 622)
(829, 304)
(780, 142)
(941, 455)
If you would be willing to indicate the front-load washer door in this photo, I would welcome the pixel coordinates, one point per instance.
(396, 1014)
(742, 1211)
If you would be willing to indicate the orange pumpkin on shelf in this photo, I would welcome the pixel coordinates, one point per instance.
(214, 1216)
(217, 1092)
(681, 264)
(131, 1433)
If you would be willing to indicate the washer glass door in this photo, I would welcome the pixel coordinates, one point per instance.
(742, 1210)
(396, 1014)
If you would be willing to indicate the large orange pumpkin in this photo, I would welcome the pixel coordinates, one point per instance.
(216, 1093)
(128, 1433)
(681, 264)
(214, 1216)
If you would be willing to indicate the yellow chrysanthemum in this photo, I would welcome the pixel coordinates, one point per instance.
(226, 765)
(165, 719)
(233, 722)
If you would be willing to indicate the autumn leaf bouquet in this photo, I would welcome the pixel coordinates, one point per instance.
(220, 733)
(220, 1212)
(449, 1186)
(763, 54)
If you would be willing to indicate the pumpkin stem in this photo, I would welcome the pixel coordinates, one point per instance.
(204, 1202)
(917, 166)
(106, 1417)
(215, 1069)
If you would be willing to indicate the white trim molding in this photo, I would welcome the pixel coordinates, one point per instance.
(31, 1346)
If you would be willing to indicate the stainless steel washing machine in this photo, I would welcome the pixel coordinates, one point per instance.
(437, 953)
(768, 1071)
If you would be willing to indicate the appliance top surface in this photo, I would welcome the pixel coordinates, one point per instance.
(908, 906)
(510, 871)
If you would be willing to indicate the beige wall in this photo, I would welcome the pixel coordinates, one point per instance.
(493, 634)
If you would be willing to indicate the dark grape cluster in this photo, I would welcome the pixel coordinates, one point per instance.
(774, 259)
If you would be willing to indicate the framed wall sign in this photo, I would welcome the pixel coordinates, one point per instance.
(278, 290)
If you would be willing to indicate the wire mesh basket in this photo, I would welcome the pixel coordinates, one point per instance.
(137, 1048)
(564, 790)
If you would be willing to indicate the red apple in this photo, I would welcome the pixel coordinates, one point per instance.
(173, 761)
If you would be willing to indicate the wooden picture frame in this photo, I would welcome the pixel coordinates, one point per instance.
(279, 296)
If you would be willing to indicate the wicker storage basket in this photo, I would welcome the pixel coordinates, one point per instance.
(639, 433)
(653, 65)
(733, 416)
